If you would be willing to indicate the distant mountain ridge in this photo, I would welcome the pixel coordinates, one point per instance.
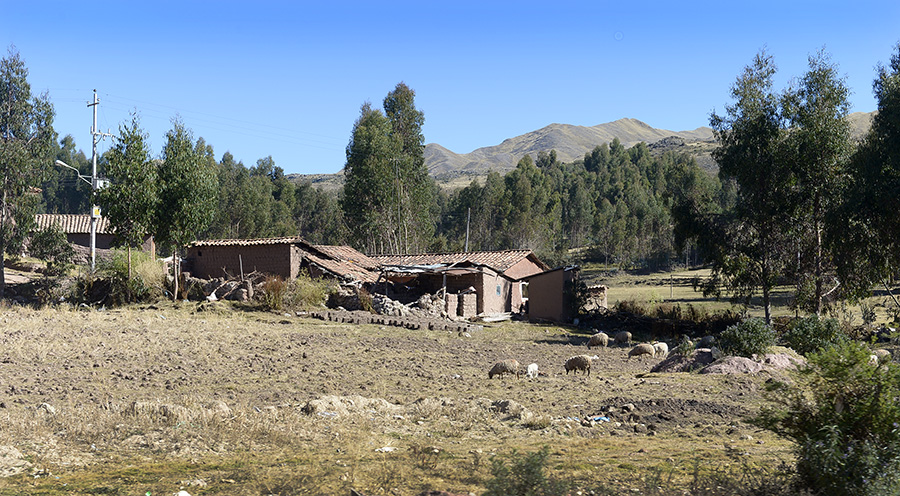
(570, 142)
(452, 169)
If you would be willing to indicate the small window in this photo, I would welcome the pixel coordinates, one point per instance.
(498, 290)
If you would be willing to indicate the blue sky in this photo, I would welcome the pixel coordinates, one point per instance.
(287, 79)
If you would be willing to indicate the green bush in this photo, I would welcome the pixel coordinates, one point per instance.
(524, 476)
(747, 338)
(843, 415)
(813, 334)
(50, 245)
(684, 348)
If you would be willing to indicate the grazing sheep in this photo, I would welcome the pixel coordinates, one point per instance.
(579, 362)
(662, 349)
(510, 366)
(641, 350)
(599, 339)
(623, 338)
(532, 371)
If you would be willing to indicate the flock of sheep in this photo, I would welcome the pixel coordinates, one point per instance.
(583, 362)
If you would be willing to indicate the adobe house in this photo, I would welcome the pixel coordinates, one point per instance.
(550, 294)
(283, 257)
(77, 228)
(474, 283)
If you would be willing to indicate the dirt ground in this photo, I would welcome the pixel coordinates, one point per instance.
(87, 388)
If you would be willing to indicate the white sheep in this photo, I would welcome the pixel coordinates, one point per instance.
(880, 356)
(623, 338)
(662, 349)
(510, 366)
(641, 350)
(580, 362)
(532, 371)
(599, 339)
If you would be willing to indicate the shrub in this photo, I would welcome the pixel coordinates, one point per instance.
(272, 294)
(684, 348)
(812, 334)
(844, 419)
(50, 246)
(301, 293)
(111, 285)
(524, 476)
(147, 282)
(747, 338)
(632, 306)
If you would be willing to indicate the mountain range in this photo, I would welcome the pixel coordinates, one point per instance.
(570, 142)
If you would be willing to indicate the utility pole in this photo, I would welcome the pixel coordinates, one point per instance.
(96, 183)
(468, 218)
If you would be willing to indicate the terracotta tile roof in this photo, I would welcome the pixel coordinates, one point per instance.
(498, 260)
(248, 242)
(72, 223)
(347, 254)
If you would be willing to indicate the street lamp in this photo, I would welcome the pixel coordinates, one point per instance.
(96, 183)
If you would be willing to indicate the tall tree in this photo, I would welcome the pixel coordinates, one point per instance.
(414, 184)
(818, 148)
(370, 187)
(188, 192)
(130, 200)
(388, 199)
(867, 231)
(748, 243)
(62, 191)
(26, 146)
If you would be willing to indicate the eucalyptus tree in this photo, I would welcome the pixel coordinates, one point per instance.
(371, 215)
(26, 147)
(415, 187)
(748, 245)
(188, 191)
(130, 200)
(866, 233)
(818, 148)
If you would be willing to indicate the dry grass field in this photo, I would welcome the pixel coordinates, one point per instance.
(217, 400)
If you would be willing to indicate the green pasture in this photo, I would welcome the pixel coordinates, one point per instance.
(678, 287)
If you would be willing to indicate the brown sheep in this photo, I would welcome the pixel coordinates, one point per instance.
(509, 366)
(599, 339)
(579, 362)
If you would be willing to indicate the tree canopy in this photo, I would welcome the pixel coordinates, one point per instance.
(26, 146)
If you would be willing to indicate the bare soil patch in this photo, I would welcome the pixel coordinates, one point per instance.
(193, 391)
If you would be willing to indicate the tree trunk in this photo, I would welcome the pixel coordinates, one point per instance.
(128, 284)
(819, 270)
(2, 273)
(176, 269)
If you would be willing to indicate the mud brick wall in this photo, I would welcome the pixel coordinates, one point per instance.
(467, 305)
(361, 317)
(215, 261)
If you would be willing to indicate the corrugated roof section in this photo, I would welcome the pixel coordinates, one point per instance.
(72, 223)
(347, 254)
(247, 242)
(499, 260)
(346, 270)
